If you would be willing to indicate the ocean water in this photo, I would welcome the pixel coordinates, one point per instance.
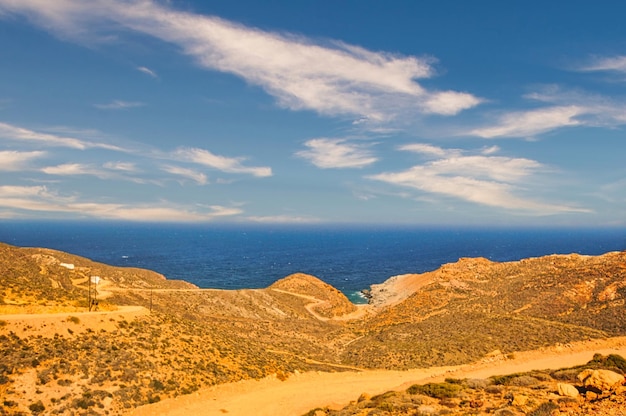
(349, 258)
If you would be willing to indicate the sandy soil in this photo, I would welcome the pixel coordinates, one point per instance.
(303, 392)
(48, 324)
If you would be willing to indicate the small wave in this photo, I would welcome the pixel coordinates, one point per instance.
(357, 297)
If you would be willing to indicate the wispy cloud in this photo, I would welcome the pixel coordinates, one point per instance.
(612, 64)
(147, 71)
(531, 123)
(16, 133)
(121, 166)
(429, 150)
(336, 153)
(119, 105)
(108, 171)
(11, 160)
(331, 78)
(490, 150)
(222, 163)
(565, 108)
(480, 179)
(283, 219)
(70, 169)
(199, 177)
(34, 199)
(157, 213)
(595, 110)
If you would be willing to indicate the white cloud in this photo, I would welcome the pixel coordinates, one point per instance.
(492, 167)
(40, 199)
(283, 219)
(147, 71)
(119, 105)
(485, 180)
(490, 150)
(156, 213)
(11, 132)
(115, 171)
(10, 191)
(30, 198)
(531, 123)
(333, 78)
(450, 103)
(595, 110)
(121, 166)
(222, 163)
(13, 160)
(336, 153)
(68, 169)
(428, 149)
(614, 63)
(568, 108)
(194, 175)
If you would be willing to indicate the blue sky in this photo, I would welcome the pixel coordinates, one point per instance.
(400, 112)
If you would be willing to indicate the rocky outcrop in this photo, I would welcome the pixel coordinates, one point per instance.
(602, 380)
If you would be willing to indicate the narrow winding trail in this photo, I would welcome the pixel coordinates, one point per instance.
(315, 302)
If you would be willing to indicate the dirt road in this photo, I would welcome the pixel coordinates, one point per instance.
(303, 392)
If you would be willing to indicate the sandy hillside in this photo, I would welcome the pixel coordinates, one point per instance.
(303, 392)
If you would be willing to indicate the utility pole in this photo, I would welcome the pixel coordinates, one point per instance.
(95, 280)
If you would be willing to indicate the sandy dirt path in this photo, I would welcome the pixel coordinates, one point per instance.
(303, 392)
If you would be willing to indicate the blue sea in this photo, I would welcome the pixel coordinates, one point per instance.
(350, 258)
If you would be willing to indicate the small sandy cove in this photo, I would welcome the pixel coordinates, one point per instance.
(303, 392)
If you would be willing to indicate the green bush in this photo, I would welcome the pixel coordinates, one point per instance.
(37, 407)
(612, 360)
(523, 381)
(544, 409)
(436, 390)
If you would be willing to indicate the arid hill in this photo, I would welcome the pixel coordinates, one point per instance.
(467, 309)
(58, 358)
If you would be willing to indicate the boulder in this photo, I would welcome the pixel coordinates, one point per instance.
(567, 390)
(603, 380)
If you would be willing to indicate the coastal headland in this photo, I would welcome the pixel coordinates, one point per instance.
(135, 341)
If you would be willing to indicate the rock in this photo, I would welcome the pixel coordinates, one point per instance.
(603, 380)
(591, 395)
(519, 400)
(363, 397)
(567, 390)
